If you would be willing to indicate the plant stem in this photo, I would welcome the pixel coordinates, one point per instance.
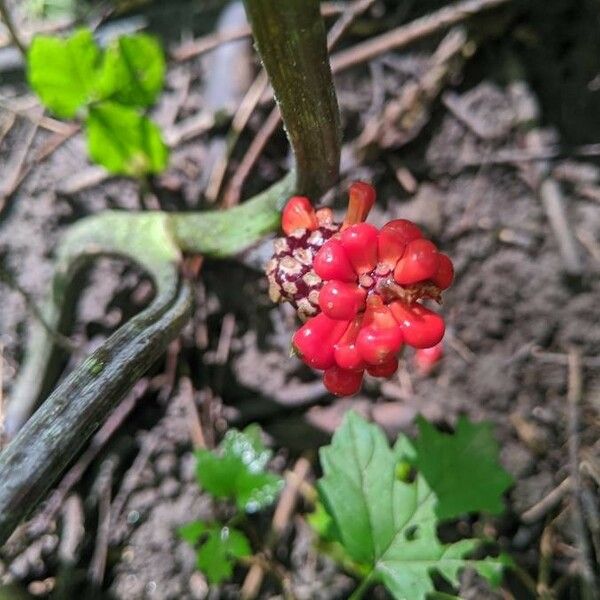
(12, 28)
(53, 436)
(291, 39)
(363, 586)
(227, 232)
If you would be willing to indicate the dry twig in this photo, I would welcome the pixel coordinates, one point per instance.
(131, 479)
(574, 395)
(551, 197)
(547, 503)
(406, 34)
(104, 484)
(12, 28)
(209, 42)
(186, 392)
(281, 517)
(15, 166)
(1, 395)
(234, 189)
(62, 341)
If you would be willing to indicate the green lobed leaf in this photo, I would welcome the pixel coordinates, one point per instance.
(220, 547)
(133, 70)
(462, 468)
(236, 470)
(385, 521)
(124, 141)
(63, 72)
(192, 532)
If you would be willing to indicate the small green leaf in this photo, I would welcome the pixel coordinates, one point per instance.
(322, 523)
(217, 555)
(493, 569)
(462, 468)
(63, 72)
(192, 532)
(220, 548)
(133, 70)
(124, 141)
(237, 470)
(386, 522)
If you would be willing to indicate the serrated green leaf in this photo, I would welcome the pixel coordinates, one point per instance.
(462, 468)
(221, 547)
(218, 554)
(383, 521)
(133, 70)
(124, 141)
(63, 72)
(237, 470)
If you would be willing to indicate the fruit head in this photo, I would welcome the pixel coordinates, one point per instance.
(291, 273)
(359, 289)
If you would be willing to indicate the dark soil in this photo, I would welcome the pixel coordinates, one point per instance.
(513, 314)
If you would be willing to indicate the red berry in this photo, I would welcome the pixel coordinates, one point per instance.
(421, 327)
(445, 273)
(393, 238)
(361, 200)
(386, 370)
(331, 262)
(298, 213)
(345, 352)
(419, 262)
(340, 300)
(314, 341)
(426, 359)
(380, 336)
(342, 382)
(360, 243)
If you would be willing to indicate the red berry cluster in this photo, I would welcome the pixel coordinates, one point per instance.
(370, 283)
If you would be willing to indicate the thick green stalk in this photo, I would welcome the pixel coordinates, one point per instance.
(290, 37)
(226, 232)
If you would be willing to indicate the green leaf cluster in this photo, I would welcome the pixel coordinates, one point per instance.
(235, 471)
(109, 89)
(384, 522)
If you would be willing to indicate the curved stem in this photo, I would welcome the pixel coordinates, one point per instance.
(52, 437)
(226, 233)
(141, 237)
